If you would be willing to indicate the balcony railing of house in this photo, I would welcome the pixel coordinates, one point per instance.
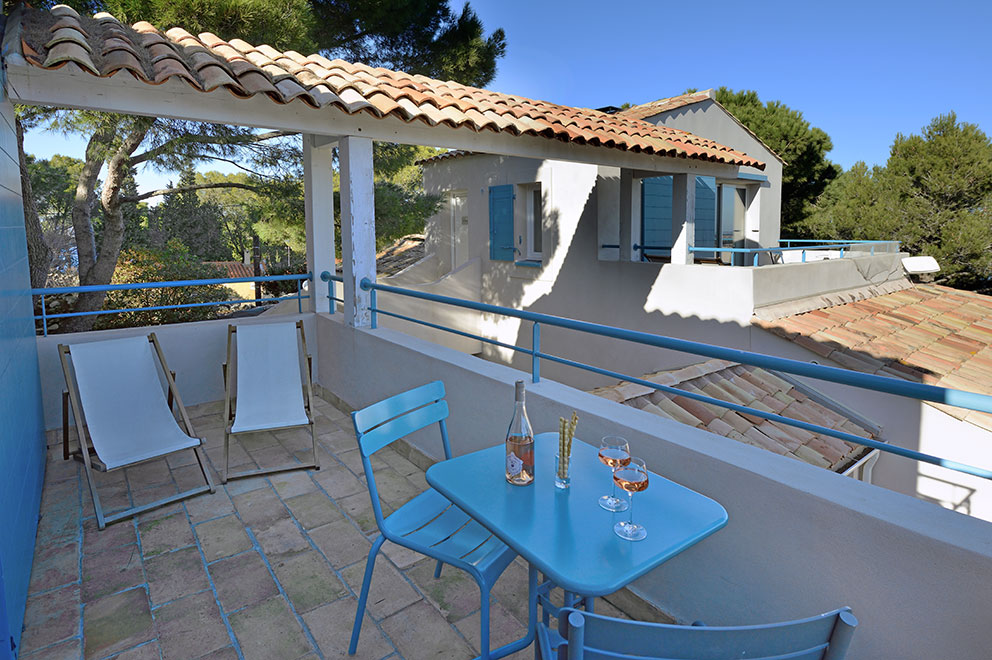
(898, 387)
(804, 246)
(45, 317)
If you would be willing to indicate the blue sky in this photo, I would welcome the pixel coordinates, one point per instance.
(861, 71)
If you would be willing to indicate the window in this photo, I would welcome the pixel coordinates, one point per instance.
(656, 217)
(501, 223)
(535, 223)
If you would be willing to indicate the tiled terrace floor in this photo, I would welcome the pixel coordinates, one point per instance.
(264, 568)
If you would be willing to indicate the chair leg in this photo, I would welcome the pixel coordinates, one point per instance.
(483, 622)
(363, 597)
(313, 439)
(437, 569)
(100, 522)
(203, 468)
(227, 446)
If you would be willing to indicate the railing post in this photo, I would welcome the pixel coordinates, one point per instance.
(44, 316)
(804, 256)
(842, 253)
(366, 285)
(754, 261)
(535, 358)
(299, 297)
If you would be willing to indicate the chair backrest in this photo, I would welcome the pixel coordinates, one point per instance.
(122, 396)
(268, 374)
(597, 637)
(382, 423)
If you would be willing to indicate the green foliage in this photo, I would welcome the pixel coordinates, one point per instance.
(422, 36)
(934, 194)
(283, 287)
(183, 217)
(169, 263)
(53, 184)
(803, 147)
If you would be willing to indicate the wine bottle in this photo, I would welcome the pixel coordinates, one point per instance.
(520, 443)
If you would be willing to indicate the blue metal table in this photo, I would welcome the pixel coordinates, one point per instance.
(564, 533)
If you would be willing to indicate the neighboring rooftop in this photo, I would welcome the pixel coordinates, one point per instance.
(646, 110)
(235, 269)
(447, 155)
(399, 256)
(927, 333)
(756, 388)
(653, 108)
(103, 47)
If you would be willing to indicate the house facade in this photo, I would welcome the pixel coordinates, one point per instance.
(611, 245)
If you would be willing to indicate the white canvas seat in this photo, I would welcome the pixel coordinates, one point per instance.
(273, 388)
(121, 410)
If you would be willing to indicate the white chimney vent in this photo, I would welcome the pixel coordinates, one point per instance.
(920, 265)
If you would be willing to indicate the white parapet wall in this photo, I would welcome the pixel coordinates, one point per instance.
(800, 540)
(195, 351)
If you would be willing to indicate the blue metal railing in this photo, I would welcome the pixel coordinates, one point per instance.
(898, 387)
(807, 245)
(44, 317)
(330, 279)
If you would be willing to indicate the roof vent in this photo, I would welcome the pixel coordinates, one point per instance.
(920, 265)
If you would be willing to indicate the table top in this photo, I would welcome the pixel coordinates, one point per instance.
(565, 533)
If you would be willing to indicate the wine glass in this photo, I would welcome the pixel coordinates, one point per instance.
(613, 452)
(633, 478)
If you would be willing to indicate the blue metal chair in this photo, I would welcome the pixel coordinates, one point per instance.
(429, 523)
(587, 636)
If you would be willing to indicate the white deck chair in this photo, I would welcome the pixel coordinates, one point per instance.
(121, 412)
(272, 386)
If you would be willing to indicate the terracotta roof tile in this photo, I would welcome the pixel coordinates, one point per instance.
(758, 389)
(50, 39)
(927, 333)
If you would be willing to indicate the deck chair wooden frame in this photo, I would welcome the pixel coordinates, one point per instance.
(88, 455)
(230, 408)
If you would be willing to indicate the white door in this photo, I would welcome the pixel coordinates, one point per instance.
(459, 229)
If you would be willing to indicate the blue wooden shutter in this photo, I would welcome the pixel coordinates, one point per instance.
(501, 223)
(705, 216)
(656, 216)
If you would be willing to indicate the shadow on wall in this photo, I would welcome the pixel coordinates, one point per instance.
(574, 283)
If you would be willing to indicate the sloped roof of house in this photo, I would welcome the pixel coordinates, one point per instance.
(235, 269)
(403, 253)
(448, 155)
(653, 108)
(926, 333)
(104, 47)
(756, 388)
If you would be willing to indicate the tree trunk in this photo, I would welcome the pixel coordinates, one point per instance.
(39, 253)
(97, 268)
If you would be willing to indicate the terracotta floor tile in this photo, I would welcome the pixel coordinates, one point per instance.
(308, 580)
(110, 571)
(222, 537)
(191, 627)
(50, 617)
(242, 580)
(268, 630)
(176, 574)
(164, 534)
(331, 626)
(117, 622)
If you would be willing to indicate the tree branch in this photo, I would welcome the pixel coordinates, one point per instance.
(169, 145)
(201, 186)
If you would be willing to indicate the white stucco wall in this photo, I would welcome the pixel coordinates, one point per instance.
(800, 540)
(709, 120)
(195, 351)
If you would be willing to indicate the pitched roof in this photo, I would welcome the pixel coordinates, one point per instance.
(653, 108)
(102, 46)
(235, 269)
(447, 155)
(403, 253)
(756, 388)
(926, 333)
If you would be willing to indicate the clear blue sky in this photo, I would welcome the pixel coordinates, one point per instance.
(861, 71)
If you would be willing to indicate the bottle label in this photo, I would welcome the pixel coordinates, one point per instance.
(513, 464)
